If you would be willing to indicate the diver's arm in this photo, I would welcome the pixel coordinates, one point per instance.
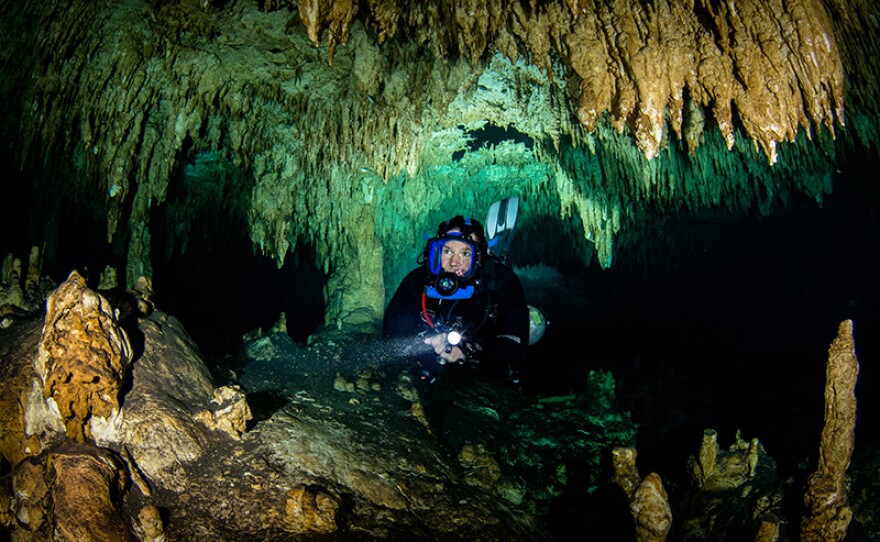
(402, 313)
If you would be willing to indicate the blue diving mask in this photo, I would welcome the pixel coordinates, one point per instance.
(443, 284)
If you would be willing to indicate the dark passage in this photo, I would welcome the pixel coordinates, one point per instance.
(731, 332)
(224, 293)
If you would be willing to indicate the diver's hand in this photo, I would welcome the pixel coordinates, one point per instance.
(454, 355)
(440, 343)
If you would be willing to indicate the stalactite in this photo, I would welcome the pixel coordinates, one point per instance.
(634, 63)
(629, 106)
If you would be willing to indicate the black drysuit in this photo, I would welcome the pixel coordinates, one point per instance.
(495, 320)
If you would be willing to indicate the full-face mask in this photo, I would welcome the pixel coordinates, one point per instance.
(445, 285)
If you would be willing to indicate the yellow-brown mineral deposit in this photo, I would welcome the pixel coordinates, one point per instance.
(83, 356)
(310, 510)
(827, 501)
(651, 510)
(229, 411)
(626, 474)
(84, 485)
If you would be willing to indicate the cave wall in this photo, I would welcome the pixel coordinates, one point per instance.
(353, 132)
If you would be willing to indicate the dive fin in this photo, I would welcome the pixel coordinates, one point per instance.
(499, 225)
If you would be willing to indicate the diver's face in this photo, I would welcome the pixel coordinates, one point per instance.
(457, 257)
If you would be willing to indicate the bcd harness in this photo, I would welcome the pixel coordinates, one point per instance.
(486, 285)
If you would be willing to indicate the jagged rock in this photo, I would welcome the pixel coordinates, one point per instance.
(26, 422)
(355, 464)
(311, 510)
(31, 499)
(83, 356)
(480, 467)
(231, 413)
(735, 490)
(160, 424)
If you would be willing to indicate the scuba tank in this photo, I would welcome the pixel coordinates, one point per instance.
(500, 224)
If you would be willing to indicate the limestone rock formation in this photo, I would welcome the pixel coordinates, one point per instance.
(21, 289)
(229, 411)
(86, 487)
(827, 499)
(648, 501)
(12, 293)
(83, 357)
(736, 490)
(639, 64)
(626, 472)
(343, 461)
(714, 469)
(650, 507)
(344, 128)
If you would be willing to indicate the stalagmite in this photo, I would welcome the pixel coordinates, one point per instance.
(826, 498)
(648, 501)
(34, 271)
(11, 292)
(706, 465)
(626, 474)
(83, 356)
(651, 510)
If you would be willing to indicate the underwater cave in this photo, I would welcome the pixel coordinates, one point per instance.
(696, 219)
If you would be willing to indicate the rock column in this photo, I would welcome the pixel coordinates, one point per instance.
(826, 498)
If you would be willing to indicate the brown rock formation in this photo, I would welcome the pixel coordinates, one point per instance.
(148, 526)
(648, 501)
(626, 473)
(650, 508)
(326, 465)
(829, 513)
(736, 490)
(311, 510)
(409, 78)
(31, 506)
(776, 64)
(706, 464)
(86, 485)
(11, 292)
(714, 469)
(23, 416)
(83, 356)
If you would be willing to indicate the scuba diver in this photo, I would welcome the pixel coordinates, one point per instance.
(462, 305)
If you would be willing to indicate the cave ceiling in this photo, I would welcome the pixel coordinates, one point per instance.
(354, 127)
